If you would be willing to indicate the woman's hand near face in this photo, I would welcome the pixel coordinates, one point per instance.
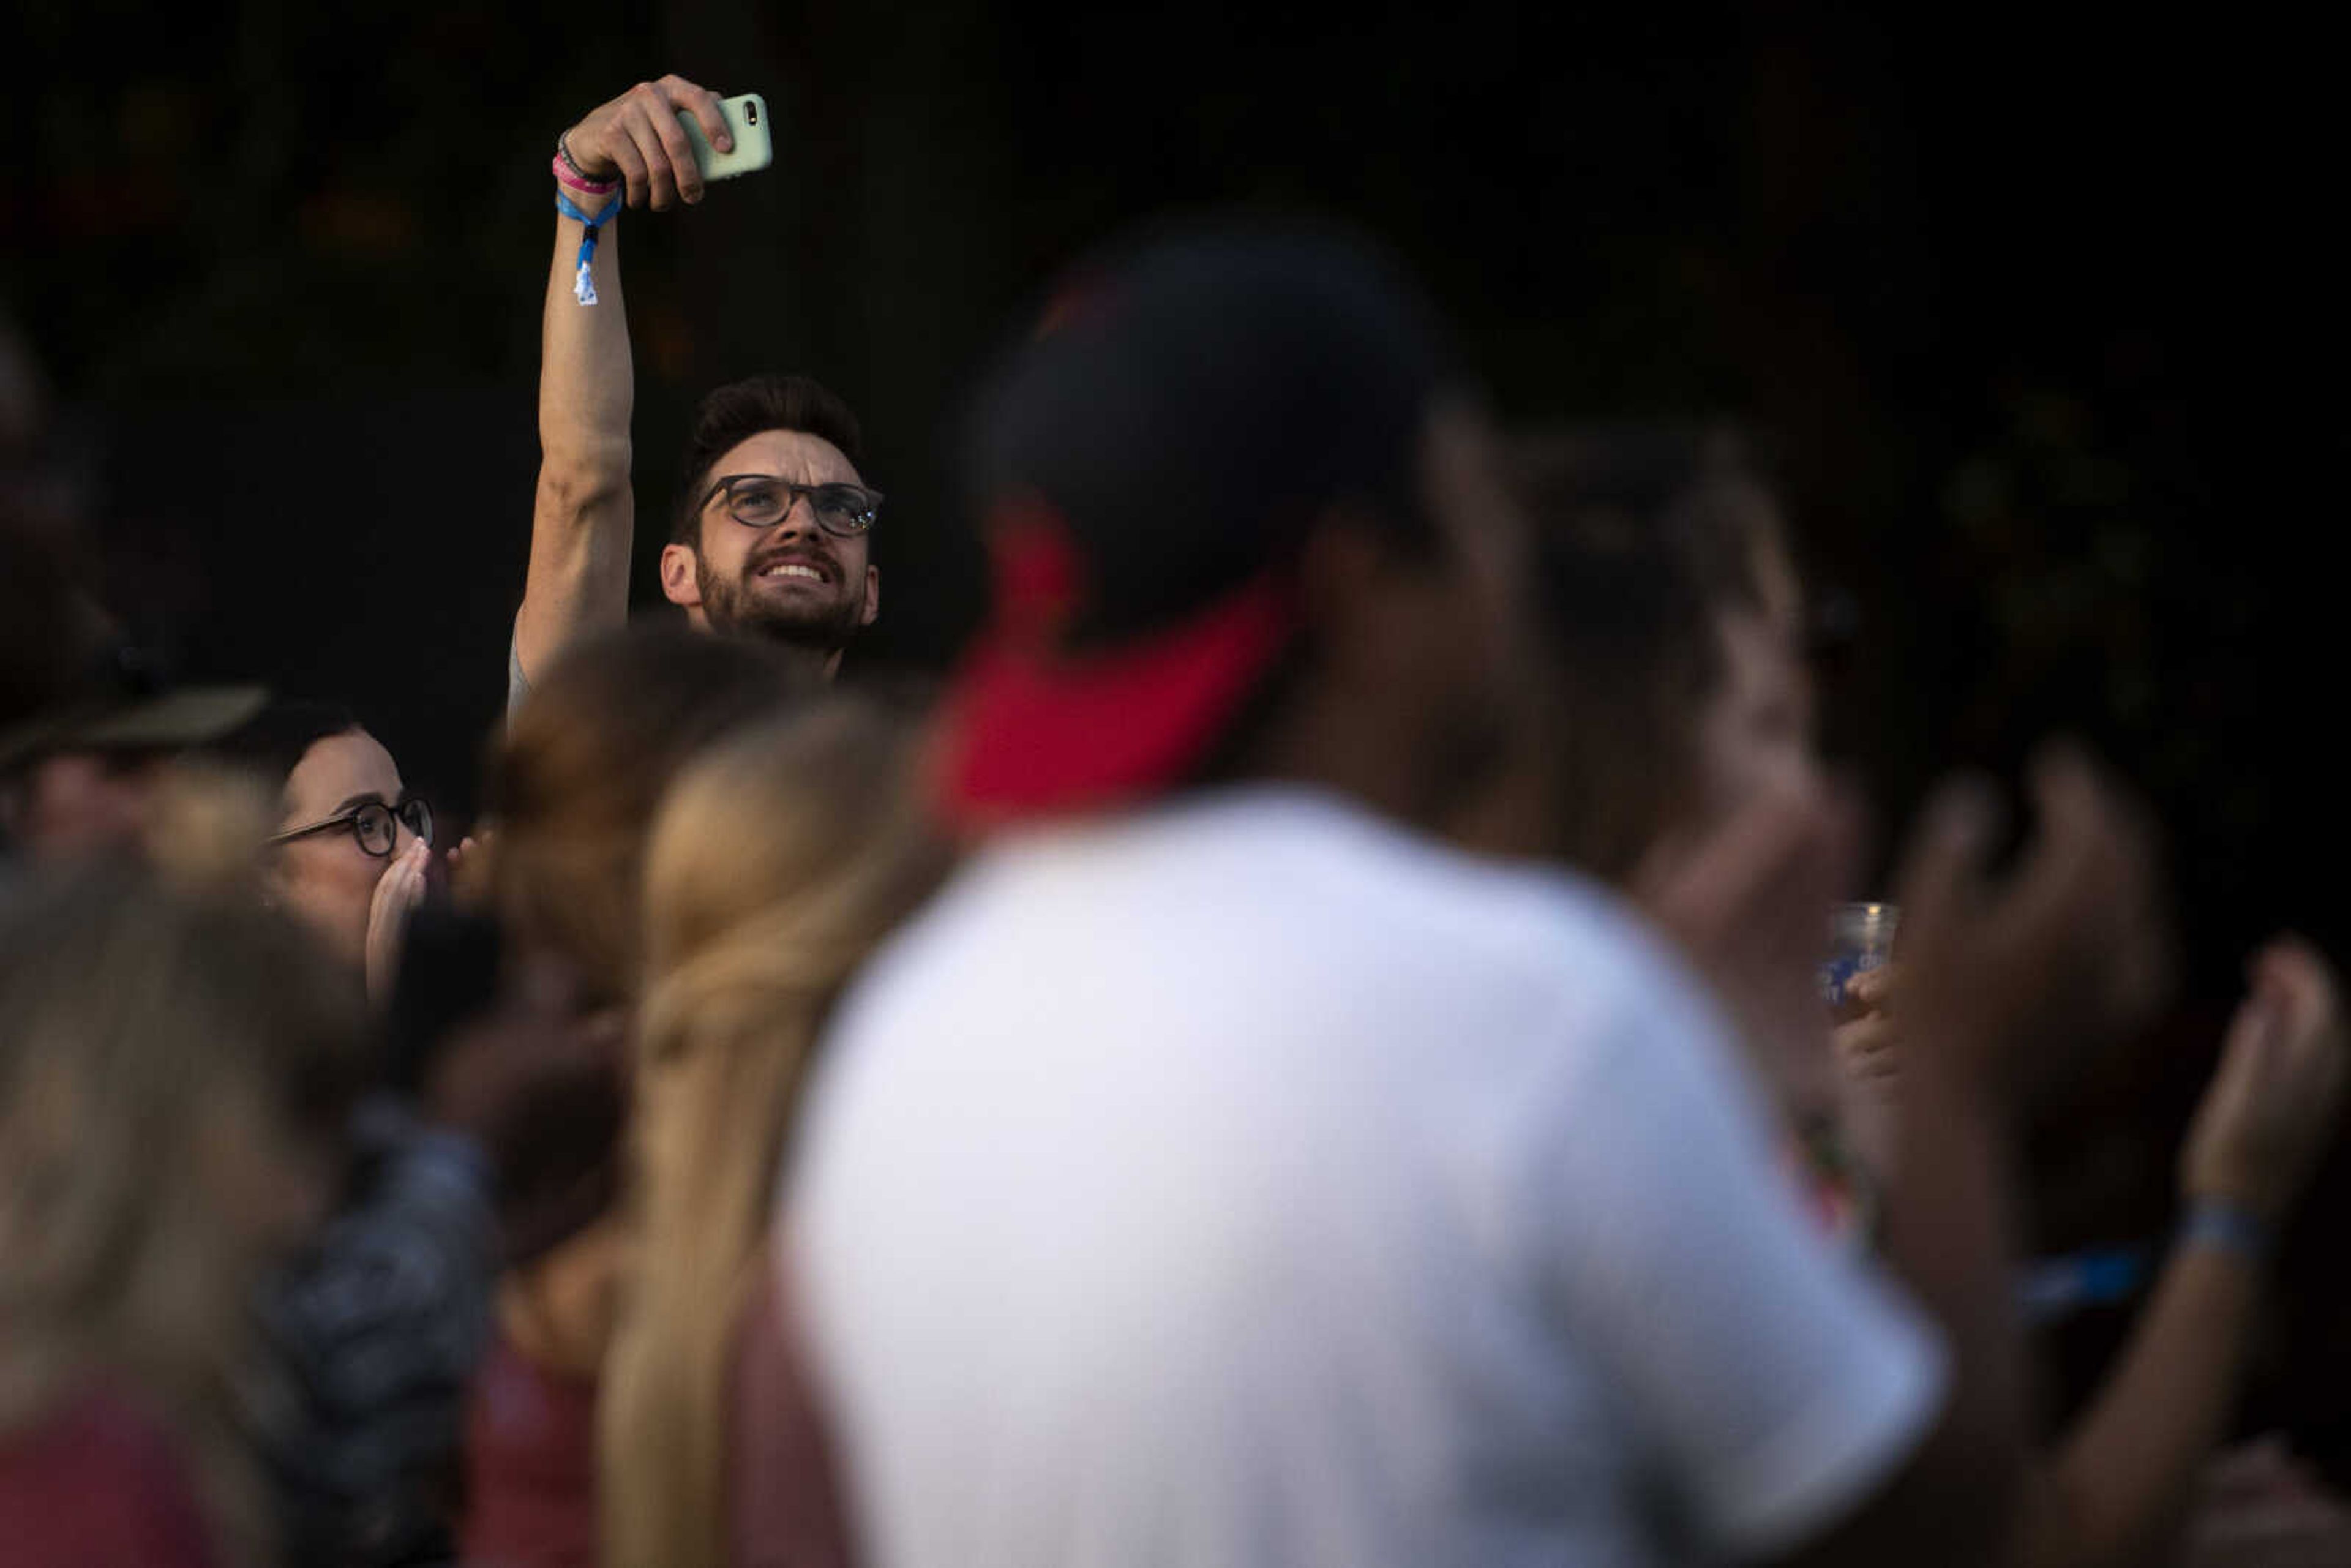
(398, 892)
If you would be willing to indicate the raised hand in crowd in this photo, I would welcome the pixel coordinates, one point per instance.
(1674, 640)
(637, 140)
(1747, 902)
(2264, 1121)
(769, 535)
(2279, 1092)
(2006, 973)
(2096, 977)
(2058, 952)
(2120, 1483)
(583, 519)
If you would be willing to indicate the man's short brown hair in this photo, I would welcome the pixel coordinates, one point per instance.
(741, 410)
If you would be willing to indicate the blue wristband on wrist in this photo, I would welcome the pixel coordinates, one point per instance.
(2225, 1227)
(583, 285)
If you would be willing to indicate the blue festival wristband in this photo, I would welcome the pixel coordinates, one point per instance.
(583, 285)
(2225, 1227)
(2053, 1288)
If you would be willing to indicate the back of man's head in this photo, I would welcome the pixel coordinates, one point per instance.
(1152, 470)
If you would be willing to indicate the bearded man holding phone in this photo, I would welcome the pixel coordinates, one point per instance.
(771, 532)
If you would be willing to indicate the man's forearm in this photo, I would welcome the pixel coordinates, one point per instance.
(586, 388)
(583, 517)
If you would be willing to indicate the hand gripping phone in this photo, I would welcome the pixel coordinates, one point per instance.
(746, 116)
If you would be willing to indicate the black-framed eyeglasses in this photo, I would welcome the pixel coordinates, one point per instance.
(374, 824)
(762, 500)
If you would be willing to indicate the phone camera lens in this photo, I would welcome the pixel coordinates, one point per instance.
(750, 114)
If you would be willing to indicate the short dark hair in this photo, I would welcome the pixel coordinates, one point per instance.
(272, 744)
(741, 410)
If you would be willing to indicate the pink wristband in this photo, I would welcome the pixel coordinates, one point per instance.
(586, 187)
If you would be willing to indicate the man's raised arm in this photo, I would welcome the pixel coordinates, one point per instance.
(583, 518)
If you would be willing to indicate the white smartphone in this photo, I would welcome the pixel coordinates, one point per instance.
(746, 116)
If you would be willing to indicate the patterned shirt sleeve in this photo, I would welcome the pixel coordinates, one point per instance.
(375, 1331)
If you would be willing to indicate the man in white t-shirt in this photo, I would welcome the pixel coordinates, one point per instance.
(1222, 1173)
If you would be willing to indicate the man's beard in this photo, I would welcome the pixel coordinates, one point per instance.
(736, 609)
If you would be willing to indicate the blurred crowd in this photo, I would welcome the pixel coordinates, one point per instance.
(1310, 1046)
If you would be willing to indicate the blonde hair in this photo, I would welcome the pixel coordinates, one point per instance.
(776, 865)
(205, 828)
(150, 1042)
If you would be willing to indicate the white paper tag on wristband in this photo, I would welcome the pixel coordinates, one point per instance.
(583, 281)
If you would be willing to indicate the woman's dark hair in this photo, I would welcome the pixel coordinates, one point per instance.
(1643, 538)
(741, 410)
(272, 744)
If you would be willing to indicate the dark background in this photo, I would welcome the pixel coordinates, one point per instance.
(1991, 285)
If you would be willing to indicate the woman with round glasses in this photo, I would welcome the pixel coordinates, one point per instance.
(371, 1331)
(353, 847)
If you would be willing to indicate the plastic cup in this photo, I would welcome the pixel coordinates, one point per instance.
(1861, 938)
